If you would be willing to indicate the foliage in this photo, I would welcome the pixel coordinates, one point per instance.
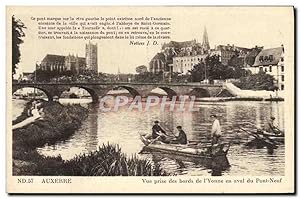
(109, 160)
(236, 61)
(212, 68)
(17, 34)
(141, 69)
(260, 81)
(149, 77)
(250, 58)
(198, 72)
(177, 77)
(42, 75)
(54, 126)
(69, 76)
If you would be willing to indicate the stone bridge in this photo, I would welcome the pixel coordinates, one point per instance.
(98, 90)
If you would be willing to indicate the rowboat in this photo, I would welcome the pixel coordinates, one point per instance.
(204, 154)
(265, 138)
(275, 137)
(279, 137)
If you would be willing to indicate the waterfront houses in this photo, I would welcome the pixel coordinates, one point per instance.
(271, 61)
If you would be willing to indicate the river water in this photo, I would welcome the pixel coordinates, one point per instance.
(123, 128)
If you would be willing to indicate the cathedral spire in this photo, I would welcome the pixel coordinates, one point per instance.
(118, 76)
(205, 43)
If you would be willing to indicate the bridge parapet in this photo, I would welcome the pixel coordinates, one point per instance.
(195, 84)
(98, 90)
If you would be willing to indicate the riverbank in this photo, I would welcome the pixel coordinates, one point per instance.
(251, 94)
(227, 99)
(59, 123)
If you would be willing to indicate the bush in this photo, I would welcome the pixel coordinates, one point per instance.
(260, 81)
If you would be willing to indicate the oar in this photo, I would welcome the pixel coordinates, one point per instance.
(254, 125)
(166, 128)
(275, 127)
(154, 140)
(252, 134)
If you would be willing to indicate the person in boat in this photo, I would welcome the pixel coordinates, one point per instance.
(158, 131)
(215, 130)
(271, 128)
(270, 125)
(181, 138)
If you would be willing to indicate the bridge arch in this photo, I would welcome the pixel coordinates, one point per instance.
(200, 92)
(91, 91)
(48, 94)
(131, 90)
(170, 92)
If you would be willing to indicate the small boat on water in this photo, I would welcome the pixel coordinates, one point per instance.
(270, 138)
(264, 139)
(276, 138)
(205, 153)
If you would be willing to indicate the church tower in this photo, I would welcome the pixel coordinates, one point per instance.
(91, 57)
(205, 43)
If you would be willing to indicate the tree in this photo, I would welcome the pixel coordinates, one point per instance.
(141, 69)
(198, 72)
(179, 77)
(236, 61)
(17, 34)
(260, 81)
(212, 68)
(215, 68)
(250, 58)
(149, 77)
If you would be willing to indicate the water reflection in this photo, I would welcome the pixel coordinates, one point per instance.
(123, 128)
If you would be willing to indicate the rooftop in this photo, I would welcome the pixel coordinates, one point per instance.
(182, 44)
(60, 58)
(268, 57)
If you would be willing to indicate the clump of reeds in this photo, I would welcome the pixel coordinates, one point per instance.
(108, 160)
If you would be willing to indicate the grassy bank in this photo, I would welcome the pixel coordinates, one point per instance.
(59, 123)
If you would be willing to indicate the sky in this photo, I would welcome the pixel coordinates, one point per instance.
(244, 27)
